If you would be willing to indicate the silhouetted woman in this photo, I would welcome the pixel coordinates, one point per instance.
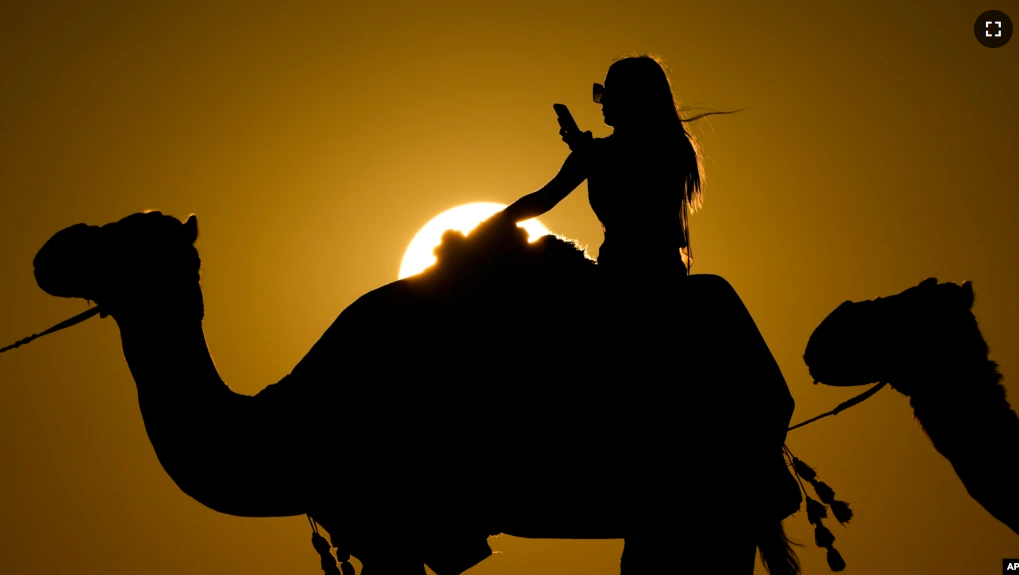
(643, 180)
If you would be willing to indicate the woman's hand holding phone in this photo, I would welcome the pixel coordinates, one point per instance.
(569, 130)
(576, 141)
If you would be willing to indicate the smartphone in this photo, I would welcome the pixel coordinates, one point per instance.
(566, 120)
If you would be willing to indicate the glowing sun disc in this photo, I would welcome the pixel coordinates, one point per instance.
(464, 218)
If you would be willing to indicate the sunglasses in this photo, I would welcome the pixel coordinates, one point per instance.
(598, 93)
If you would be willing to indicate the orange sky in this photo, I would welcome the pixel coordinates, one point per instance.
(877, 148)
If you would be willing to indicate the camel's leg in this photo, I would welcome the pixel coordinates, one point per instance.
(697, 549)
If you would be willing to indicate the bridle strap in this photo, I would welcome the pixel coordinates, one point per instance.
(64, 324)
(844, 405)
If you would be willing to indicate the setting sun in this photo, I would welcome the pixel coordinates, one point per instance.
(463, 218)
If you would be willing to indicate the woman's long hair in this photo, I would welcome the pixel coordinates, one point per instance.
(644, 76)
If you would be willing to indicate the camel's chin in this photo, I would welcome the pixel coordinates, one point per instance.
(832, 378)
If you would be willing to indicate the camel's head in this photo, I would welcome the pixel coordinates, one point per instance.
(919, 336)
(139, 257)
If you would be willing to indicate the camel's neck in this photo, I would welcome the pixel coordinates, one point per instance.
(166, 351)
(975, 428)
(958, 411)
(210, 440)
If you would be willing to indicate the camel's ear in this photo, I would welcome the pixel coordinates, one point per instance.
(191, 229)
(967, 294)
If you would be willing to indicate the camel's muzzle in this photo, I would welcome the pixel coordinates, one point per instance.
(65, 266)
(842, 351)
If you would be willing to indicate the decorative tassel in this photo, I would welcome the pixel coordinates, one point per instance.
(835, 560)
(342, 555)
(323, 547)
(823, 537)
(825, 493)
(343, 558)
(320, 544)
(329, 566)
(816, 511)
(803, 470)
(841, 511)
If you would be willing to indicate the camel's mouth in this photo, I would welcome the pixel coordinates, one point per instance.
(843, 350)
(66, 264)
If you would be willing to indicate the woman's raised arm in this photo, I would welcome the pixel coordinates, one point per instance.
(573, 172)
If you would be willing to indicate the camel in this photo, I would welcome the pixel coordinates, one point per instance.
(424, 407)
(926, 344)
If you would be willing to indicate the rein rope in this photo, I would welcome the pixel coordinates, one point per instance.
(73, 321)
(97, 311)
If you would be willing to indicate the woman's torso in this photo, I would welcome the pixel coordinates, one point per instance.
(637, 195)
